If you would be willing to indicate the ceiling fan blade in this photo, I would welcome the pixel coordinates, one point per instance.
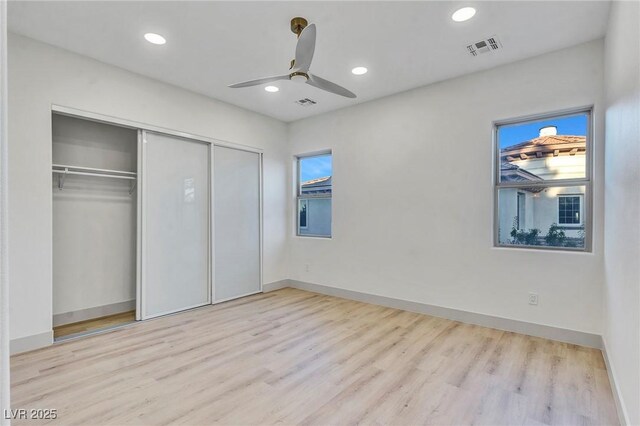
(305, 48)
(259, 81)
(323, 84)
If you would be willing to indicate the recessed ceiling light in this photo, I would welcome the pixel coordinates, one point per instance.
(463, 14)
(155, 38)
(359, 70)
(271, 89)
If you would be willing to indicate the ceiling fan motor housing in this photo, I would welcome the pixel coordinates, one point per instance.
(298, 24)
(298, 77)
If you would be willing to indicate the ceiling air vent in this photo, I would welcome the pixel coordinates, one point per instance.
(484, 46)
(306, 102)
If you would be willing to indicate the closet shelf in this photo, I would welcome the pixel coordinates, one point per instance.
(63, 170)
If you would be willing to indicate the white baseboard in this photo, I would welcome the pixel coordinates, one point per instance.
(538, 330)
(30, 343)
(617, 395)
(276, 285)
(95, 312)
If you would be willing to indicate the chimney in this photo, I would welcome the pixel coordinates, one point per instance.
(548, 131)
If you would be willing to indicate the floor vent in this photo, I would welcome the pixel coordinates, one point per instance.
(306, 102)
(487, 45)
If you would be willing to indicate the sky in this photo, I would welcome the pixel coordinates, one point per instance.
(513, 134)
(315, 167)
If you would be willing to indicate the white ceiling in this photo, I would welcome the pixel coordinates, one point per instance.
(213, 44)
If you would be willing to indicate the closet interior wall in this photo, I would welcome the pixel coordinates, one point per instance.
(94, 221)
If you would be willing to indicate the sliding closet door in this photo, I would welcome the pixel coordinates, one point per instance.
(175, 224)
(237, 223)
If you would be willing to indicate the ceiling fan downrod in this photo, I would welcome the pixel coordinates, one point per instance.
(297, 25)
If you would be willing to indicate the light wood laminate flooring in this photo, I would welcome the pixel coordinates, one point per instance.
(295, 357)
(93, 324)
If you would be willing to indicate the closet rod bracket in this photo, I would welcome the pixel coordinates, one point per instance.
(133, 186)
(61, 177)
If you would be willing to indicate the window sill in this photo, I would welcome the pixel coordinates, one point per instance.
(316, 237)
(543, 249)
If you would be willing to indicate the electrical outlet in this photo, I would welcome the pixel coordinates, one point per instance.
(533, 298)
(307, 267)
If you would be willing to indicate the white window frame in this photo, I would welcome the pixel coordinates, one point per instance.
(586, 205)
(570, 225)
(300, 197)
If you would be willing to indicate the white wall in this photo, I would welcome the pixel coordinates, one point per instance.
(4, 223)
(41, 75)
(94, 219)
(413, 195)
(622, 203)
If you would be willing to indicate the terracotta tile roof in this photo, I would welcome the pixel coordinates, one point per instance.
(548, 140)
(545, 145)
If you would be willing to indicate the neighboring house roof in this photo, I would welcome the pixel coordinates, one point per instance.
(545, 146)
(537, 148)
(318, 181)
(316, 186)
(512, 173)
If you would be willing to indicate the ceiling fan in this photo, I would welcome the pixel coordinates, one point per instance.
(299, 67)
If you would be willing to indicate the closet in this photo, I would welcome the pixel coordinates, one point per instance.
(149, 222)
(94, 174)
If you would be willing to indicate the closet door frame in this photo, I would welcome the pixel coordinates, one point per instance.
(139, 240)
(142, 127)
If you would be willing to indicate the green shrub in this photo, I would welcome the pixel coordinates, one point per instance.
(520, 236)
(555, 236)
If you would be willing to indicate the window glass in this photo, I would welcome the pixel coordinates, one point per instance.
(550, 218)
(302, 214)
(522, 209)
(315, 189)
(542, 150)
(569, 210)
(541, 182)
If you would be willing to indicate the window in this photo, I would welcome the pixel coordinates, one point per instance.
(543, 177)
(520, 219)
(569, 210)
(314, 190)
(302, 214)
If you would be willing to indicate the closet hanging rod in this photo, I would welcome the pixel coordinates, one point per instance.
(69, 169)
(69, 172)
(63, 171)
